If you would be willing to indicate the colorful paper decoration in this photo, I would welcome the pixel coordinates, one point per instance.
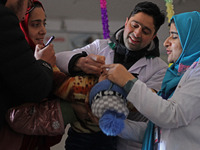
(170, 13)
(170, 9)
(104, 18)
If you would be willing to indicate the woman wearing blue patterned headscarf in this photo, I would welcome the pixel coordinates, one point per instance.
(175, 114)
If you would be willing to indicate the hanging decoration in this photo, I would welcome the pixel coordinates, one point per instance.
(104, 18)
(170, 9)
(170, 13)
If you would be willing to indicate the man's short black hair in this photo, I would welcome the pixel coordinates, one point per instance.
(150, 9)
(3, 2)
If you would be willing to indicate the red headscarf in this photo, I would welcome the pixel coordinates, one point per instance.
(24, 24)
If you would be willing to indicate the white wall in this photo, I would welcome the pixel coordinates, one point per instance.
(67, 30)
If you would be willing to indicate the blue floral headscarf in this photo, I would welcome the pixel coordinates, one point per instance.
(188, 27)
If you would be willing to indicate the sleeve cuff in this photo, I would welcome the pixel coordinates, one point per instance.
(73, 61)
(128, 86)
(45, 64)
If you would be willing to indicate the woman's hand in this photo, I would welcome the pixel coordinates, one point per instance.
(45, 53)
(117, 73)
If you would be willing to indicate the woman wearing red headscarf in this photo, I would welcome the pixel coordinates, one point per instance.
(36, 125)
(50, 116)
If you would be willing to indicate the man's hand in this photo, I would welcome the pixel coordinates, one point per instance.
(45, 53)
(90, 64)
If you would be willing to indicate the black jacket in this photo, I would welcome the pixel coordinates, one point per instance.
(22, 77)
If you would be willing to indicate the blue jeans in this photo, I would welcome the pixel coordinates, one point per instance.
(89, 141)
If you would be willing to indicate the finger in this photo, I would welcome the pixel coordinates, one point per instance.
(94, 63)
(94, 69)
(38, 47)
(51, 45)
(101, 59)
(97, 58)
(93, 57)
(106, 66)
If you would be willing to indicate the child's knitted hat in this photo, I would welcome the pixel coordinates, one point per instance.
(108, 103)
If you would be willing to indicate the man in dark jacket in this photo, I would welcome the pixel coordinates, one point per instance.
(24, 78)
